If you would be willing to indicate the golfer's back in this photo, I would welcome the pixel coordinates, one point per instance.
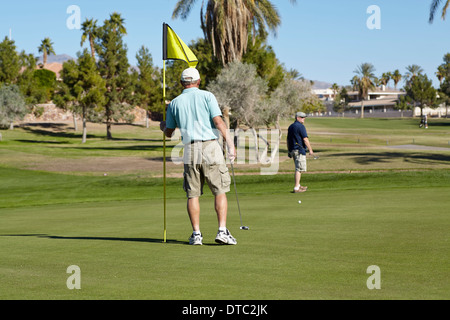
(192, 112)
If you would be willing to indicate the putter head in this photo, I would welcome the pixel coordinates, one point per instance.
(244, 228)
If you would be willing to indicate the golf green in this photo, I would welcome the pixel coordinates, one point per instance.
(321, 248)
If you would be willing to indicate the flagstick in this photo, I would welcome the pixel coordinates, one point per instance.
(164, 146)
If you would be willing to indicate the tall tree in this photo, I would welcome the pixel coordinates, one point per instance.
(411, 72)
(90, 32)
(227, 23)
(385, 77)
(267, 65)
(148, 94)
(396, 77)
(12, 105)
(83, 87)
(440, 74)
(334, 88)
(113, 66)
(117, 23)
(444, 79)
(46, 48)
(239, 89)
(365, 82)
(208, 65)
(28, 82)
(421, 92)
(434, 6)
(9, 62)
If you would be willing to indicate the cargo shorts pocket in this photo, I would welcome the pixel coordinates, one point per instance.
(225, 176)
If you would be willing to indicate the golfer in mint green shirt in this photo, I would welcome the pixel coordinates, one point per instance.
(197, 114)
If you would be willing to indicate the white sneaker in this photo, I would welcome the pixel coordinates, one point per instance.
(196, 240)
(225, 237)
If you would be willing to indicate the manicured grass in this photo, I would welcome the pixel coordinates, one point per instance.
(319, 249)
(106, 217)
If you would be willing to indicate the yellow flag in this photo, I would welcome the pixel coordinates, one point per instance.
(175, 49)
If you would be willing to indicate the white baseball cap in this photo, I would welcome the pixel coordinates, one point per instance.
(190, 74)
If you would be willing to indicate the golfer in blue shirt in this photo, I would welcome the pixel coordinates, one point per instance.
(197, 114)
(298, 144)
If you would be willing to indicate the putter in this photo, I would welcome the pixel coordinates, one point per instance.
(237, 199)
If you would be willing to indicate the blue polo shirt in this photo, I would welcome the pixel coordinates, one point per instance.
(192, 112)
(296, 134)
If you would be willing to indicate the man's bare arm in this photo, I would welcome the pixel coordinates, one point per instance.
(221, 126)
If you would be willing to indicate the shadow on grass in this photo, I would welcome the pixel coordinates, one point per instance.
(368, 158)
(59, 130)
(149, 240)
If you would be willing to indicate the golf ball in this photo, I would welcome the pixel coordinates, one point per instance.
(299, 201)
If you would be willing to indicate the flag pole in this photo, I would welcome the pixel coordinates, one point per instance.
(164, 149)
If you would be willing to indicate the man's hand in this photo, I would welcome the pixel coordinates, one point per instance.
(167, 131)
(231, 153)
(162, 126)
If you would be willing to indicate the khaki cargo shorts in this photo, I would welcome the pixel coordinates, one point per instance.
(204, 161)
(299, 160)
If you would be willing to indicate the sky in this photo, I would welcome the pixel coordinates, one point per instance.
(324, 40)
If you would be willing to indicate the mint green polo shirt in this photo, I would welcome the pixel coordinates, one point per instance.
(192, 112)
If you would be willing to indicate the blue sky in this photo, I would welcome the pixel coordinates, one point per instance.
(324, 40)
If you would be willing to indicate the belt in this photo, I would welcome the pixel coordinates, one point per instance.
(194, 141)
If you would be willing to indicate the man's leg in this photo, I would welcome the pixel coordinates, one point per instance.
(221, 206)
(193, 208)
(297, 177)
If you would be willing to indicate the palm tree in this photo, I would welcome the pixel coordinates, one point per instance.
(396, 76)
(117, 23)
(354, 82)
(225, 23)
(46, 48)
(295, 74)
(412, 71)
(434, 5)
(90, 31)
(440, 73)
(385, 77)
(365, 81)
(335, 89)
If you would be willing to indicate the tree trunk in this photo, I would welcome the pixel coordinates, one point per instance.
(91, 40)
(108, 129)
(83, 140)
(75, 123)
(362, 108)
(108, 124)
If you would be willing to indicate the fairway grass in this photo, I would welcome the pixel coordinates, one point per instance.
(374, 198)
(319, 249)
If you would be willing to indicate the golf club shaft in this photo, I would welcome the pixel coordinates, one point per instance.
(235, 190)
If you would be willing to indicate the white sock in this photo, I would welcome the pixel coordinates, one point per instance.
(297, 187)
(197, 233)
(222, 229)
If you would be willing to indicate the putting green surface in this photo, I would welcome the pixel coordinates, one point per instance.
(112, 229)
(378, 196)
